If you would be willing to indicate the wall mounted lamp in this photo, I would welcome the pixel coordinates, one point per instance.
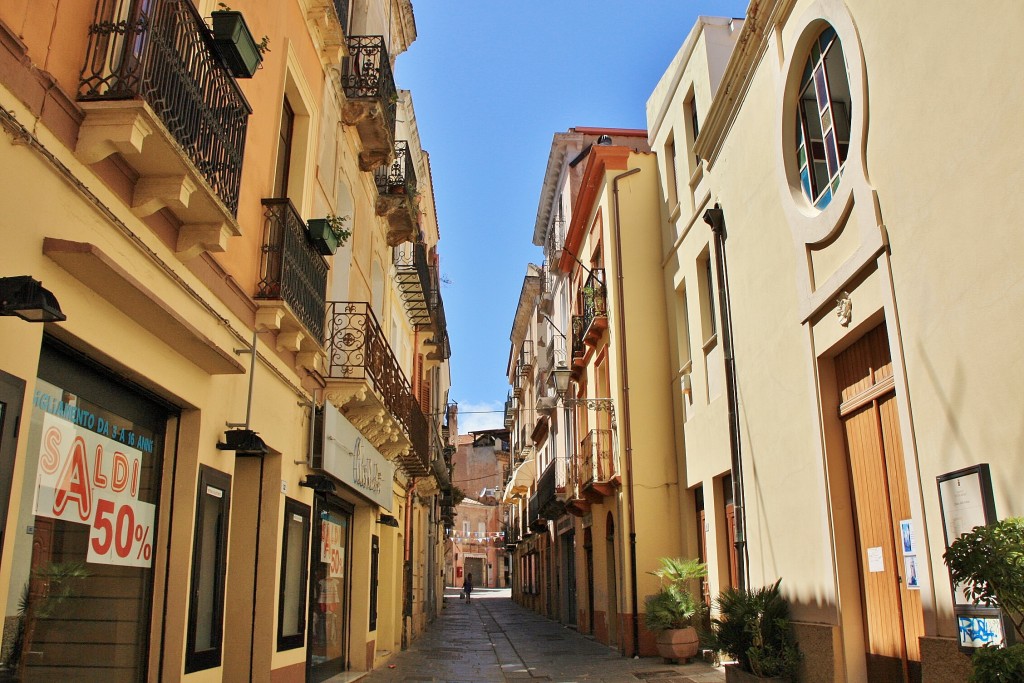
(320, 483)
(243, 442)
(388, 520)
(29, 300)
(561, 376)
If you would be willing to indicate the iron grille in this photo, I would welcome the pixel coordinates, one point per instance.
(412, 275)
(358, 349)
(596, 464)
(367, 75)
(161, 51)
(398, 177)
(593, 303)
(546, 486)
(290, 268)
(579, 347)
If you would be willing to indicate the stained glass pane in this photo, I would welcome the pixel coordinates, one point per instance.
(826, 36)
(805, 181)
(819, 87)
(806, 77)
(826, 119)
(801, 156)
(830, 152)
(835, 183)
(824, 200)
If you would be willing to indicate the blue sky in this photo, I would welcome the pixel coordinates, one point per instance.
(492, 81)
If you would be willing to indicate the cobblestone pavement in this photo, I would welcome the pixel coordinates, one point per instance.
(491, 639)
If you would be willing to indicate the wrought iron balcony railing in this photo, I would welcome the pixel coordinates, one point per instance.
(546, 488)
(398, 177)
(367, 76)
(596, 462)
(291, 269)
(579, 347)
(526, 355)
(161, 51)
(358, 349)
(592, 298)
(510, 413)
(412, 275)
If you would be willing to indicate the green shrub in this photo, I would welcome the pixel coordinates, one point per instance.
(998, 664)
(674, 606)
(753, 627)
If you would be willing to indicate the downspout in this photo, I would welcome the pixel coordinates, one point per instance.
(716, 219)
(407, 564)
(626, 427)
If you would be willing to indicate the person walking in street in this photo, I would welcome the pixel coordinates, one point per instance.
(467, 586)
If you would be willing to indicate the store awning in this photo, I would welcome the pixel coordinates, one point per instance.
(522, 479)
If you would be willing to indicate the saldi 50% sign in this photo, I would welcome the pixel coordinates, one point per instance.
(87, 478)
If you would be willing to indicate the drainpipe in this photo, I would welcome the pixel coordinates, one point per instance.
(716, 219)
(626, 428)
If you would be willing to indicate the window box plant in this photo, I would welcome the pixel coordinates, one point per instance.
(673, 612)
(753, 627)
(235, 43)
(328, 233)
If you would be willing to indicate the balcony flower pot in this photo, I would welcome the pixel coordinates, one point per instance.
(233, 39)
(327, 234)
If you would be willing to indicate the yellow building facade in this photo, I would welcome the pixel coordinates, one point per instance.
(831, 399)
(226, 461)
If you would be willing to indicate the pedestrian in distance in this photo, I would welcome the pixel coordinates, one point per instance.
(467, 587)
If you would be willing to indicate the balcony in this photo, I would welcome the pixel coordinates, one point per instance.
(154, 90)
(593, 305)
(366, 382)
(547, 291)
(396, 195)
(598, 474)
(550, 506)
(536, 522)
(441, 347)
(556, 239)
(412, 275)
(510, 412)
(575, 503)
(371, 103)
(292, 288)
(526, 356)
(517, 383)
(579, 347)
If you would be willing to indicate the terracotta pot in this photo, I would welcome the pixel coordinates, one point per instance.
(678, 643)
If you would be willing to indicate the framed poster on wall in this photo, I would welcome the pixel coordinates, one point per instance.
(966, 501)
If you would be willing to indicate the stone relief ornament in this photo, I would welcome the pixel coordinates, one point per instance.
(844, 309)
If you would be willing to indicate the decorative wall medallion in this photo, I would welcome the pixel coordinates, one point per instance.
(844, 308)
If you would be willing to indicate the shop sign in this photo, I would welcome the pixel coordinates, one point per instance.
(349, 457)
(87, 477)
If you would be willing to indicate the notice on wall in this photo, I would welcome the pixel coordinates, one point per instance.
(87, 478)
(875, 562)
(332, 552)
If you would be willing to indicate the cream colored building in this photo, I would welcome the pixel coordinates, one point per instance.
(867, 279)
(603, 504)
(221, 465)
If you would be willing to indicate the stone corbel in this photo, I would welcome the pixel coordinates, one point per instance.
(194, 238)
(109, 130)
(364, 416)
(268, 318)
(290, 341)
(153, 193)
(341, 396)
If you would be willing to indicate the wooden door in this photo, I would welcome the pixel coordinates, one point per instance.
(892, 612)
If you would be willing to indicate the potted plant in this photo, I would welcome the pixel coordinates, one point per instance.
(673, 611)
(235, 43)
(988, 562)
(328, 233)
(753, 627)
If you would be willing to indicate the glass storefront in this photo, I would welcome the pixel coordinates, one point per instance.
(82, 580)
(328, 590)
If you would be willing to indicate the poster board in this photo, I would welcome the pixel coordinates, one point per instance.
(966, 501)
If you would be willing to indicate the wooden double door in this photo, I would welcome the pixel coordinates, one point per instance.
(891, 600)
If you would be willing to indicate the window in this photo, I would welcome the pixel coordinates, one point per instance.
(691, 110)
(823, 119)
(683, 339)
(206, 603)
(706, 291)
(670, 173)
(284, 151)
(291, 605)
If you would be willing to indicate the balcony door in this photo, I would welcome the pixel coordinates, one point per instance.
(282, 169)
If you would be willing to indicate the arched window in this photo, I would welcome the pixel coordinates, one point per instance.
(823, 119)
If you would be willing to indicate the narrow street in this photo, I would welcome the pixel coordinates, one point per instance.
(493, 639)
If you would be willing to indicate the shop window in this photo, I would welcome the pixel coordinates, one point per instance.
(375, 577)
(823, 119)
(209, 556)
(291, 609)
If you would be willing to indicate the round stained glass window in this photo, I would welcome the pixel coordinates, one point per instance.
(823, 119)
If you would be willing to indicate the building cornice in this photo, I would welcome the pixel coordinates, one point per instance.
(600, 161)
(751, 45)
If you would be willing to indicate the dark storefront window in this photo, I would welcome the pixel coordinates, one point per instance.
(294, 577)
(206, 606)
(82, 570)
(329, 590)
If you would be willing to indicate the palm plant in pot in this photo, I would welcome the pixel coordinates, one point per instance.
(753, 627)
(673, 612)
